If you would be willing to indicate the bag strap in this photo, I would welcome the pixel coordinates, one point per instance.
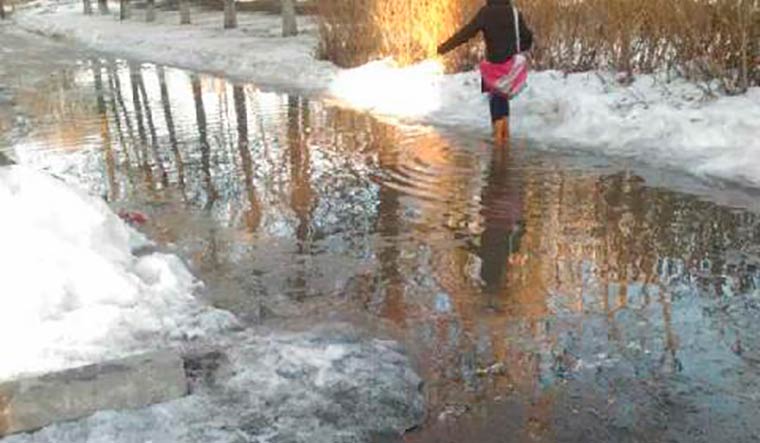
(517, 28)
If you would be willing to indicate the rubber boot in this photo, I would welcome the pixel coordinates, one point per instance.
(501, 132)
(497, 132)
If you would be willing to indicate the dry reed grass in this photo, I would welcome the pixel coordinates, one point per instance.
(699, 39)
(353, 32)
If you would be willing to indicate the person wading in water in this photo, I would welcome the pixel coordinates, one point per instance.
(500, 27)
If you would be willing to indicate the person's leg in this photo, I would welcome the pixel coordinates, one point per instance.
(500, 118)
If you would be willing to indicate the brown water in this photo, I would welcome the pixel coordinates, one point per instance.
(544, 297)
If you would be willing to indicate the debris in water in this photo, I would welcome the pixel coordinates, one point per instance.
(453, 412)
(737, 347)
(494, 369)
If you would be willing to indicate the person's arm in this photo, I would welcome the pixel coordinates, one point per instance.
(526, 35)
(467, 32)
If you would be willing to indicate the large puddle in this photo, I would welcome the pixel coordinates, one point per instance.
(543, 297)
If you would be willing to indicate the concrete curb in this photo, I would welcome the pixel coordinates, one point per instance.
(129, 383)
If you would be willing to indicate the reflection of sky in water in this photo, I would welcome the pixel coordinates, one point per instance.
(565, 275)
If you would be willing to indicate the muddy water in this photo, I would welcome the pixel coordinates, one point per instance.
(543, 297)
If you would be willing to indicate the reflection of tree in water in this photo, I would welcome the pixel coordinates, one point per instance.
(301, 194)
(285, 171)
(205, 148)
(135, 80)
(253, 213)
(119, 109)
(115, 116)
(152, 130)
(105, 134)
(589, 245)
(660, 240)
(170, 128)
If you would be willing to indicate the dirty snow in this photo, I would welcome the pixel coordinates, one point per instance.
(326, 386)
(670, 124)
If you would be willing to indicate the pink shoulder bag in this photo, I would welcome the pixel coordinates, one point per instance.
(509, 78)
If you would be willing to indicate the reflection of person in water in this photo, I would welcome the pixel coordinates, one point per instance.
(502, 215)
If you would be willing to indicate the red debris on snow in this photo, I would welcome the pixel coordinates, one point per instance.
(133, 217)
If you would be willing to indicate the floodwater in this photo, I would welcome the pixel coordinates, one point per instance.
(543, 297)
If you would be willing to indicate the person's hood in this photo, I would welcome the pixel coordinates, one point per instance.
(499, 2)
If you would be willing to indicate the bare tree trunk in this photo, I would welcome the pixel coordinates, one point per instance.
(88, 7)
(230, 14)
(150, 13)
(103, 7)
(184, 12)
(755, 37)
(289, 23)
(2, 10)
(745, 18)
(123, 9)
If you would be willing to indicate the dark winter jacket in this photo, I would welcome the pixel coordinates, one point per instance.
(496, 21)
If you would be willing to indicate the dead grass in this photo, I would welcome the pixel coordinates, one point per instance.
(353, 32)
(699, 39)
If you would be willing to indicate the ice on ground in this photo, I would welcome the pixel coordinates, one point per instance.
(322, 387)
(72, 292)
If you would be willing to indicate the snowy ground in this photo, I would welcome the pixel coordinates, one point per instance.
(76, 290)
(663, 123)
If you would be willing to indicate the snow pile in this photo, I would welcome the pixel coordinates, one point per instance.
(72, 292)
(668, 124)
(664, 124)
(323, 387)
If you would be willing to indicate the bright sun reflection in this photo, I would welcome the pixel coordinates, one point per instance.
(383, 87)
